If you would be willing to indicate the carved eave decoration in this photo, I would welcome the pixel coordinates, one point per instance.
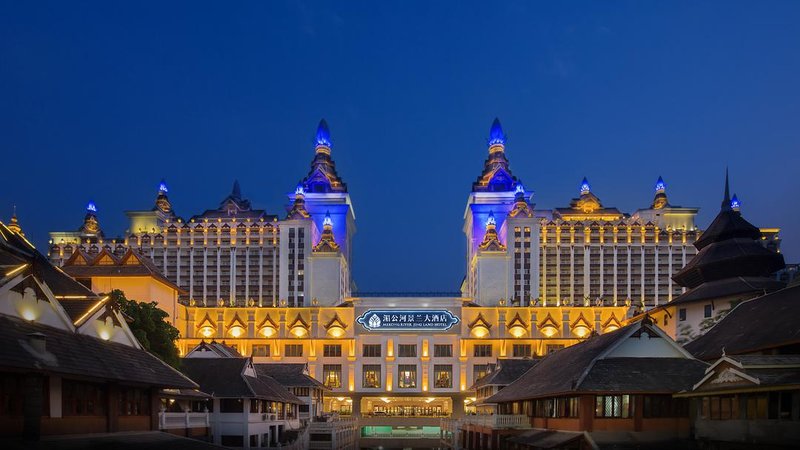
(611, 324)
(335, 327)
(267, 327)
(327, 243)
(480, 321)
(548, 326)
(236, 327)
(491, 242)
(521, 209)
(581, 324)
(517, 327)
(207, 324)
(299, 327)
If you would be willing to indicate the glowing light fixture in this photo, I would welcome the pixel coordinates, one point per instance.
(327, 220)
(517, 327)
(299, 190)
(162, 187)
(496, 135)
(91, 207)
(206, 331)
(660, 185)
(479, 327)
(267, 327)
(29, 314)
(236, 328)
(236, 331)
(299, 328)
(490, 220)
(735, 204)
(581, 327)
(548, 326)
(336, 328)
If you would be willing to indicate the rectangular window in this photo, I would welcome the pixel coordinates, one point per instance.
(407, 376)
(293, 350)
(521, 350)
(260, 350)
(407, 350)
(82, 399)
(442, 376)
(371, 376)
(482, 350)
(665, 406)
(442, 350)
(332, 375)
(134, 402)
(550, 348)
(707, 310)
(616, 406)
(332, 350)
(682, 314)
(479, 371)
(231, 405)
(372, 350)
(756, 407)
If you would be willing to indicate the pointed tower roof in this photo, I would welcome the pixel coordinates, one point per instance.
(731, 259)
(13, 224)
(298, 210)
(521, 206)
(322, 178)
(660, 199)
(496, 175)
(728, 224)
(234, 202)
(162, 201)
(491, 241)
(91, 225)
(327, 243)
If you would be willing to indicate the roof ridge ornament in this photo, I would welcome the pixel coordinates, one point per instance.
(497, 139)
(322, 139)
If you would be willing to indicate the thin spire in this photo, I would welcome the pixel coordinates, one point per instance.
(726, 200)
(660, 185)
(496, 135)
(237, 191)
(162, 187)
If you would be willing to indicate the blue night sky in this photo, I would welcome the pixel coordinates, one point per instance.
(100, 101)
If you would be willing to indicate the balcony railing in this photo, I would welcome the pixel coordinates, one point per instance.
(498, 421)
(178, 420)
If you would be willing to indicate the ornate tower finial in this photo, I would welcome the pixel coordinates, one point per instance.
(660, 199)
(298, 210)
(13, 224)
(327, 243)
(162, 202)
(491, 241)
(323, 138)
(585, 188)
(735, 203)
(490, 221)
(521, 207)
(90, 223)
(661, 187)
(497, 139)
(726, 199)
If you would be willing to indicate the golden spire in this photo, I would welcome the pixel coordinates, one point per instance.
(491, 242)
(13, 224)
(327, 243)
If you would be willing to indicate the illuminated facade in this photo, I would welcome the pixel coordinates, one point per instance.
(279, 288)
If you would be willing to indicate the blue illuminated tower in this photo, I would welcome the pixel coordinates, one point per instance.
(499, 215)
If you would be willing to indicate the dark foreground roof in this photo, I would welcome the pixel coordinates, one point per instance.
(764, 323)
(224, 377)
(547, 438)
(742, 286)
(582, 368)
(507, 371)
(289, 375)
(71, 353)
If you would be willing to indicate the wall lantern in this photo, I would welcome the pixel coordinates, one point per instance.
(206, 328)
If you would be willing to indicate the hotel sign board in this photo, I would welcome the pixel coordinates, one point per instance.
(407, 320)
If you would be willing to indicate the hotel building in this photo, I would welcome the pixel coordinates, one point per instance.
(279, 288)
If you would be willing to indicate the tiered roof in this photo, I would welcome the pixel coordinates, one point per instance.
(322, 178)
(496, 175)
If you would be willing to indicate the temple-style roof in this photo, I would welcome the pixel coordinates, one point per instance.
(91, 226)
(13, 224)
(234, 205)
(521, 206)
(590, 366)
(496, 175)
(764, 324)
(729, 249)
(660, 200)
(587, 206)
(491, 241)
(213, 349)
(322, 178)
(105, 264)
(162, 201)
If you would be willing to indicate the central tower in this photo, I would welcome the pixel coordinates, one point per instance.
(502, 233)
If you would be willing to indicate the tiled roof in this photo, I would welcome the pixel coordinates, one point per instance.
(729, 287)
(71, 353)
(290, 375)
(667, 375)
(507, 371)
(121, 268)
(581, 367)
(224, 377)
(764, 323)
